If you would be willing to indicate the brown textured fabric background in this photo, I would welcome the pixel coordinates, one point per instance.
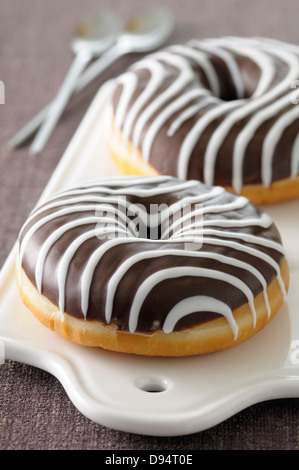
(35, 412)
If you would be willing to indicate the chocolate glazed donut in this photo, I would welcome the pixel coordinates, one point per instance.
(221, 111)
(197, 270)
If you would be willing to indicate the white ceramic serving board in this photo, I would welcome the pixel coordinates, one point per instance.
(116, 390)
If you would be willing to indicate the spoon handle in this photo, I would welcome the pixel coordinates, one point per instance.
(101, 64)
(86, 77)
(29, 129)
(58, 105)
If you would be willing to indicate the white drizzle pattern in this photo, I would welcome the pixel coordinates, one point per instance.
(79, 203)
(186, 97)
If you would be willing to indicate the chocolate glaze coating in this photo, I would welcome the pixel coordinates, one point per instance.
(240, 128)
(145, 266)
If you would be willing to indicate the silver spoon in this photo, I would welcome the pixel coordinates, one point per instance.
(142, 34)
(92, 38)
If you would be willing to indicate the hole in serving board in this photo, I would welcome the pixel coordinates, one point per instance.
(152, 384)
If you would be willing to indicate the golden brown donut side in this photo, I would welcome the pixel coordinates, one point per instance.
(131, 162)
(218, 110)
(209, 337)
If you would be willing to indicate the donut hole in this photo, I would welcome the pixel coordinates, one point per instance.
(163, 221)
(247, 73)
(250, 75)
(152, 384)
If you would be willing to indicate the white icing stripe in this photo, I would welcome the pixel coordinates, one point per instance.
(166, 114)
(105, 183)
(91, 265)
(104, 202)
(252, 106)
(184, 78)
(126, 265)
(129, 82)
(158, 74)
(272, 139)
(65, 262)
(199, 303)
(205, 63)
(253, 252)
(277, 44)
(242, 116)
(247, 134)
(256, 54)
(57, 234)
(73, 203)
(238, 203)
(262, 222)
(214, 191)
(92, 199)
(229, 61)
(39, 266)
(173, 273)
(139, 192)
(295, 158)
(119, 192)
(69, 210)
(189, 113)
(248, 238)
(196, 132)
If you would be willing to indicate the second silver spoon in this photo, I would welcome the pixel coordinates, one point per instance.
(142, 34)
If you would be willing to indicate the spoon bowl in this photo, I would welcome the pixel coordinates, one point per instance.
(147, 31)
(96, 33)
(93, 37)
(101, 35)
